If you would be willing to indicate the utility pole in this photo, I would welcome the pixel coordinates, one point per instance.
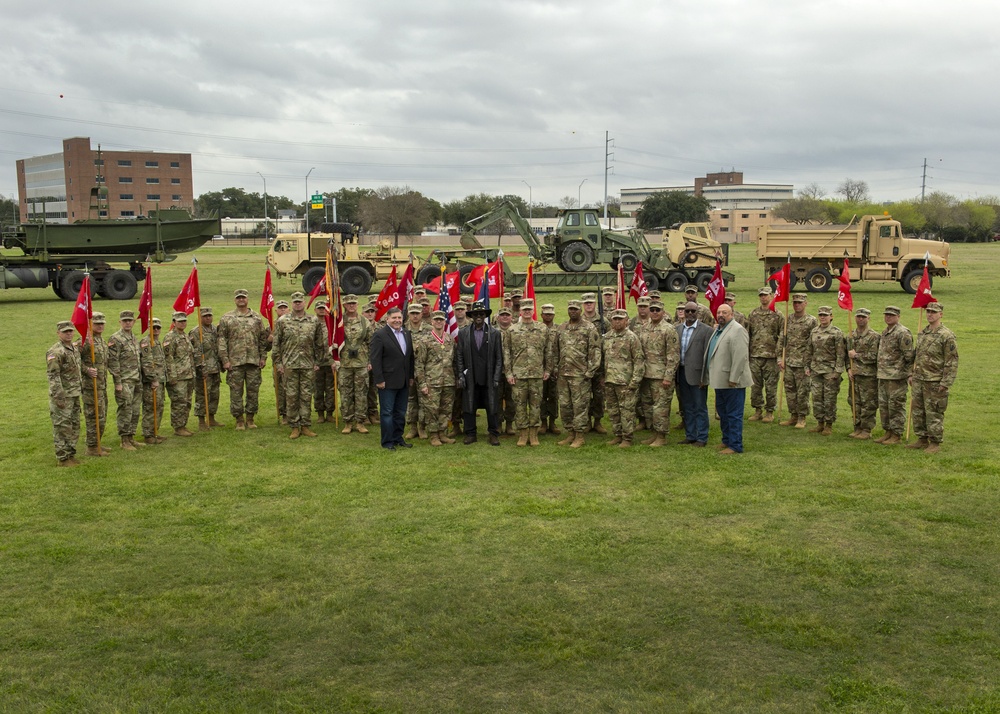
(265, 204)
(923, 182)
(608, 154)
(308, 200)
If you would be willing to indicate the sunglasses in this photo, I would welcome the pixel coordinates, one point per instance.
(692, 311)
(656, 309)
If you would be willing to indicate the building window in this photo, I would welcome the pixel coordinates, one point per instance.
(175, 181)
(127, 213)
(152, 180)
(152, 197)
(724, 215)
(124, 179)
(762, 215)
(125, 197)
(175, 164)
(98, 162)
(175, 197)
(124, 162)
(746, 215)
(724, 229)
(102, 213)
(152, 164)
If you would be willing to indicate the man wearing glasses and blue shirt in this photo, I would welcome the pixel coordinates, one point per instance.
(694, 336)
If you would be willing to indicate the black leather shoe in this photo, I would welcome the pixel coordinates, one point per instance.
(404, 445)
(494, 440)
(390, 447)
(470, 440)
(697, 443)
(687, 441)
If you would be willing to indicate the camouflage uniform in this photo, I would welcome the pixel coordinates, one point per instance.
(596, 409)
(764, 327)
(100, 363)
(324, 396)
(796, 344)
(207, 369)
(624, 365)
(179, 357)
(644, 397)
(299, 345)
(827, 352)
(934, 370)
(415, 417)
(353, 373)
(548, 410)
(243, 346)
(123, 364)
(62, 366)
(895, 362)
(153, 366)
(508, 410)
(524, 361)
(434, 368)
(575, 355)
(739, 317)
(662, 349)
(864, 384)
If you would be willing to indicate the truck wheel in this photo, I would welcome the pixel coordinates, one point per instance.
(676, 282)
(427, 274)
(356, 280)
(818, 280)
(119, 285)
(652, 282)
(463, 276)
(577, 257)
(702, 281)
(628, 262)
(911, 281)
(311, 277)
(70, 284)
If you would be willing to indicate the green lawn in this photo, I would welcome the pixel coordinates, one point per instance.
(244, 572)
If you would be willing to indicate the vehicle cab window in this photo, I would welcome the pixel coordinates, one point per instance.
(591, 219)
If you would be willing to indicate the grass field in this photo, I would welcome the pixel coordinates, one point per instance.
(244, 572)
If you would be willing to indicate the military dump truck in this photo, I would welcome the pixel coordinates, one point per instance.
(874, 246)
(687, 253)
(358, 267)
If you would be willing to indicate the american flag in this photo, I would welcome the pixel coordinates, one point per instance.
(450, 321)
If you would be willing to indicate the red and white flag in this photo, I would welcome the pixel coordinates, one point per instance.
(83, 311)
(639, 288)
(406, 285)
(267, 300)
(715, 292)
(318, 289)
(388, 297)
(146, 302)
(923, 296)
(620, 289)
(529, 288)
(189, 297)
(451, 283)
(844, 298)
(493, 272)
(782, 281)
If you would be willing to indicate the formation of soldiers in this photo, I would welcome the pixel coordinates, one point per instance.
(588, 364)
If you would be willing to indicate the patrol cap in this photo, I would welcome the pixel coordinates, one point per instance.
(507, 296)
(656, 305)
(643, 302)
(863, 312)
(419, 291)
(570, 304)
(298, 296)
(730, 296)
(180, 316)
(504, 311)
(321, 304)
(607, 291)
(350, 299)
(460, 305)
(370, 307)
(691, 288)
(126, 315)
(415, 309)
(654, 295)
(588, 297)
(516, 294)
(682, 304)
(799, 297)
(764, 291)
(424, 301)
(616, 314)
(438, 315)
(156, 322)
(240, 292)
(891, 310)
(64, 326)
(99, 318)
(206, 311)
(548, 309)
(825, 310)
(281, 303)
(528, 303)
(935, 307)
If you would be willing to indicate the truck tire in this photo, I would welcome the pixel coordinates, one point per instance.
(577, 257)
(427, 274)
(119, 285)
(355, 280)
(311, 277)
(911, 281)
(628, 262)
(676, 282)
(463, 276)
(702, 281)
(70, 284)
(818, 280)
(652, 282)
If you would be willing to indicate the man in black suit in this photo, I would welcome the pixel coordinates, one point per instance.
(479, 359)
(391, 359)
(694, 336)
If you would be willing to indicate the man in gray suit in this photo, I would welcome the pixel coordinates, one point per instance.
(691, 390)
(727, 371)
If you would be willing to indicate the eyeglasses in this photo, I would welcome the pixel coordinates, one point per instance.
(656, 309)
(686, 310)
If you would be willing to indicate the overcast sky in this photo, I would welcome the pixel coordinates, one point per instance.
(453, 98)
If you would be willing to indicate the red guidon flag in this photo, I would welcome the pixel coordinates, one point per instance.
(639, 287)
(318, 289)
(146, 302)
(529, 288)
(715, 293)
(620, 289)
(267, 300)
(388, 296)
(923, 297)
(451, 283)
(844, 298)
(493, 272)
(406, 286)
(83, 311)
(189, 297)
(781, 280)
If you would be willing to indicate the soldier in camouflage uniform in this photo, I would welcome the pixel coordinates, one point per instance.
(299, 345)
(895, 364)
(642, 317)
(369, 314)
(862, 348)
(526, 371)
(324, 397)
(123, 364)
(62, 366)
(608, 298)
(705, 315)
(826, 357)
(662, 350)
(935, 367)
(179, 360)
(505, 320)
(795, 341)
(575, 355)
(243, 347)
(764, 328)
(549, 409)
(352, 367)
(737, 315)
(644, 403)
(207, 368)
(95, 367)
(434, 374)
(281, 309)
(603, 325)
(460, 308)
(624, 365)
(152, 366)
(416, 421)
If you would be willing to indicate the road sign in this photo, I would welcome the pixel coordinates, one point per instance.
(317, 202)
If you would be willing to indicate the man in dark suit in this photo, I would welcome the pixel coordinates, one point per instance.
(479, 359)
(391, 359)
(694, 336)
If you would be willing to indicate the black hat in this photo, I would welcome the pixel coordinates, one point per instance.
(479, 308)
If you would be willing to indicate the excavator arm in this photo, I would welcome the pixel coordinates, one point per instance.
(506, 210)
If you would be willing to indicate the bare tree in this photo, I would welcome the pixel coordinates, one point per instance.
(567, 202)
(853, 190)
(800, 210)
(812, 190)
(396, 210)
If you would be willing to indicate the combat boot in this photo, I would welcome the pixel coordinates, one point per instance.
(348, 428)
(651, 439)
(306, 431)
(240, 424)
(932, 448)
(284, 420)
(66, 463)
(133, 442)
(553, 429)
(213, 422)
(570, 436)
(577, 440)
(522, 437)
(768, 418)
(510, 429)
(250, 424)
(640, 425)
(435, 441)
(892, 439)
(456, 430)
(533, 436)
(94, 451)
(882, 438)
(616, 441)
(202, 424)
(626, 443)
(800, 423)
(182, 431)
(444, 438)
(756, 416)
(295, 433)
(411, 432)
(421, 431)
(790, 421)
(127, 445)
(598, 427)
(105, 451)
(541, 429)
(920, 443)
(827, 429)
(362, 429)
(863, 435)
(817, 429)
(660, 440)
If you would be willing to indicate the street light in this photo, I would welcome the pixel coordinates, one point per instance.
(579, 193)
(265, 204)
(308, 198)
(529, 197)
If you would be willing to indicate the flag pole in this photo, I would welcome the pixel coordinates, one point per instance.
(93, 360)
(333, 328)
(850, 372)
(784, 352)
(909, 412)
(152, 343)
